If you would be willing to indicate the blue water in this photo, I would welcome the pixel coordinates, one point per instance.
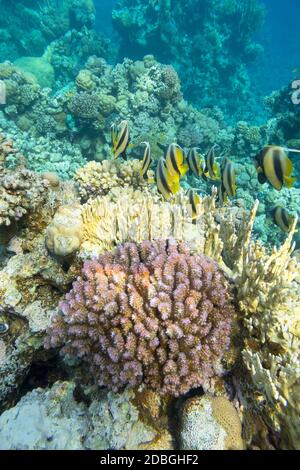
(280, 37)
(279, 63)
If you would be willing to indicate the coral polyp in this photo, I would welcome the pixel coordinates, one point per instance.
(149, 313)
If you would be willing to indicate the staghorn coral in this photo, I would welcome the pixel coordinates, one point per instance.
(150, 313)
(210, 423)
(268, 296)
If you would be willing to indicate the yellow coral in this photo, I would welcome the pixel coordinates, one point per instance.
(227, 416)
(99, 178)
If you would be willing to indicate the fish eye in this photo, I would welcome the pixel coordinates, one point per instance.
(3, 328)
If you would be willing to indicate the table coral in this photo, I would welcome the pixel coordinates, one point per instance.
(150, 313)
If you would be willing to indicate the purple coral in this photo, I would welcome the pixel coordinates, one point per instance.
(148, 313)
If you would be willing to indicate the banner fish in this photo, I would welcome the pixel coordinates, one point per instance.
(273, 165)
(227, 188)
(282, 218)
(167, 184)
(212, 169)
(194, 200)
(194, 162)
(146, 162)
(120, 139)
(175, 160)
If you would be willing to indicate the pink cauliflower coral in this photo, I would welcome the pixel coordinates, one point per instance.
(148, 313)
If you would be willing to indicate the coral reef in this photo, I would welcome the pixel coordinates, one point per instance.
(21, 192)
(149, 313)
(98, 179)
(209, 44)
(268, 295)
(145, 93)
(43, 154)
(154, 315)
(53, 419)
(38, 26)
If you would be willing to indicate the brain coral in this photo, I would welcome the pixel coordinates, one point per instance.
(148, 313)
(210, 423)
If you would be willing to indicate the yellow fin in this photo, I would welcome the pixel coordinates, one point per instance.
(217, 171)
(289, 181)
(150, 180)
(174, 187)
(289, 167)
(183, 169)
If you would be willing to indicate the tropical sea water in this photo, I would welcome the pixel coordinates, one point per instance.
(276, 66)
(86, 92)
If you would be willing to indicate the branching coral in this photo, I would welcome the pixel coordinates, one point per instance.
(150, 313)
(268, 295)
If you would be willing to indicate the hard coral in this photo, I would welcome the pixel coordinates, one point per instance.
(21, 191)
(99, 178)
(64, 234)
(148, 313)
(210, 423)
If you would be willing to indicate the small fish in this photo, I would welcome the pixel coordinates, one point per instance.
(194, 162)
(175, 160)
(211, 168)
(228, 178)
(273, 165)
(146, 160)
(194, 200)
(120, 139)
(282, 218)
(166, 183)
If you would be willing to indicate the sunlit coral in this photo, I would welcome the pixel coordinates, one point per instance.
(150, 313)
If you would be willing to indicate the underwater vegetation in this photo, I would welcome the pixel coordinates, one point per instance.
(149, 245)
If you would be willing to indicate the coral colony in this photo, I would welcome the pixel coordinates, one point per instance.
(149, 235)
(148, 314)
